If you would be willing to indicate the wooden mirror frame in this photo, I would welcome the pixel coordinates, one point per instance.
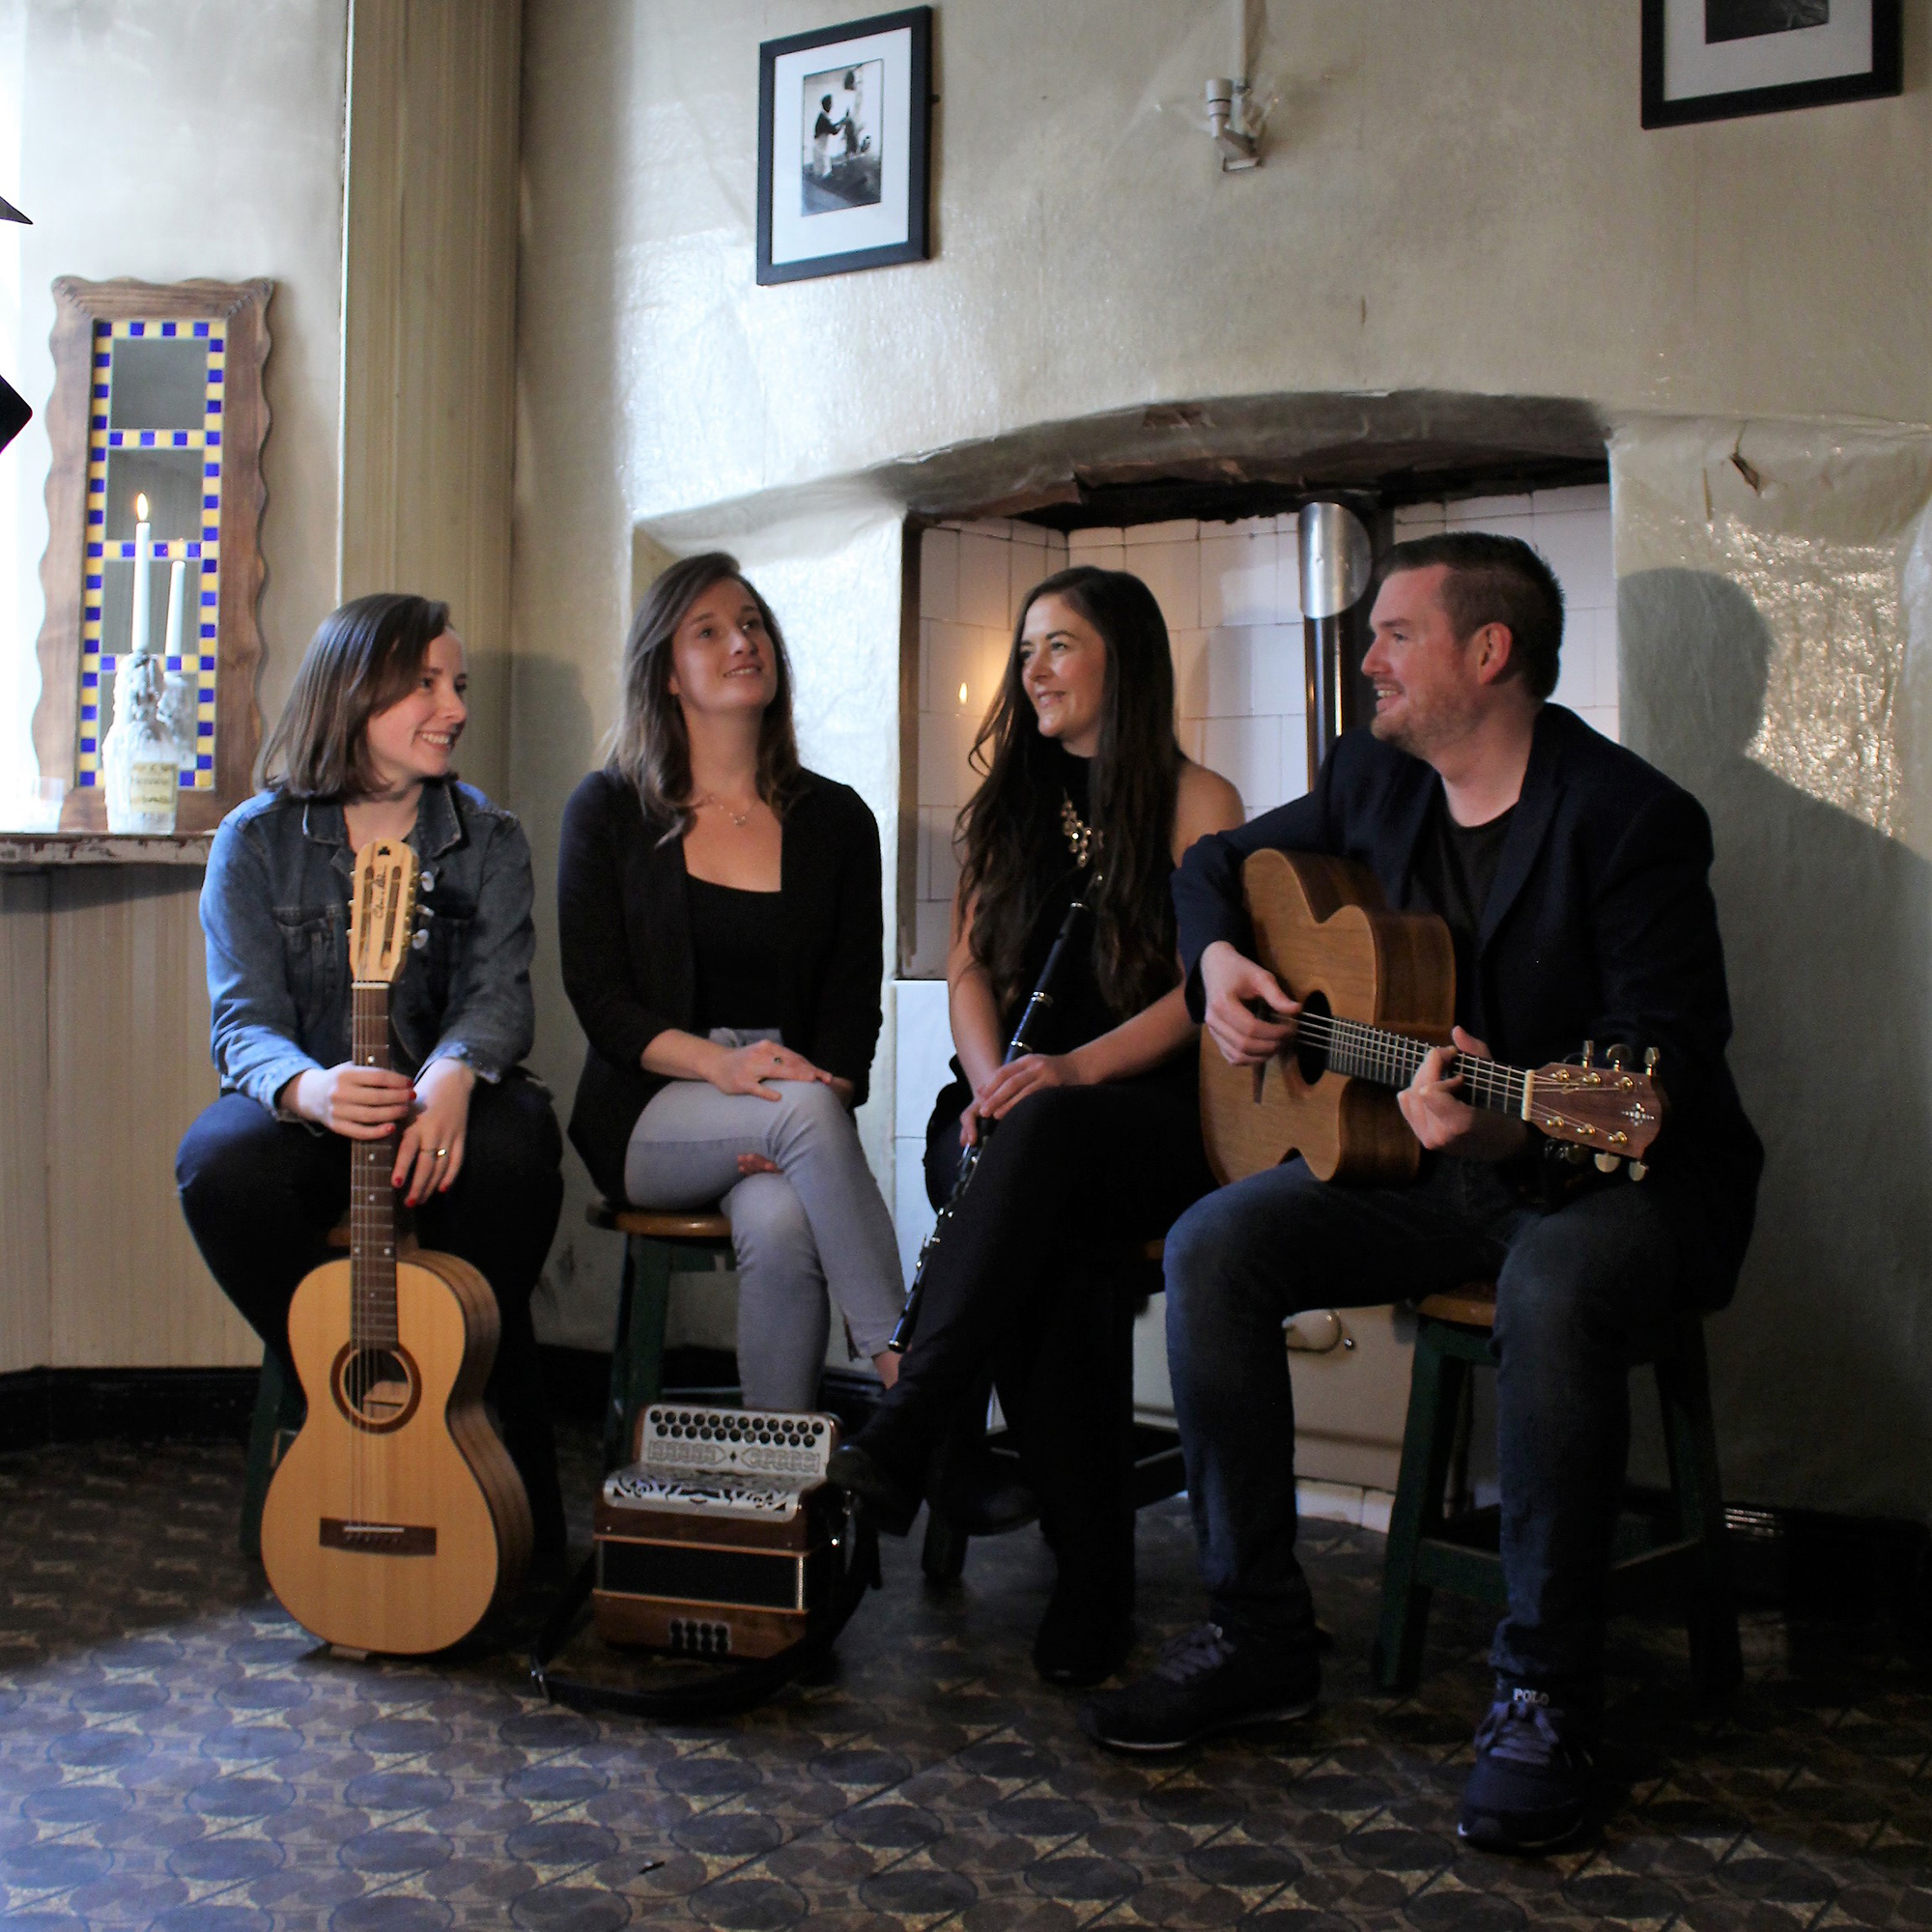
(242, 308)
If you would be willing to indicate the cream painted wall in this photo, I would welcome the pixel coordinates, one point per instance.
(158, 141)
(1457, 196)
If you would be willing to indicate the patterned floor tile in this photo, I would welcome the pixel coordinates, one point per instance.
(175, 1753)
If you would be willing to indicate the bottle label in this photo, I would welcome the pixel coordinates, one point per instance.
(152, 787)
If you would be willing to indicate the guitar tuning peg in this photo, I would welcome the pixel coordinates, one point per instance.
(1618, 1056)
(1606, 1163)
(1638, 1170)
(1651, 1057)
(1589, 1051)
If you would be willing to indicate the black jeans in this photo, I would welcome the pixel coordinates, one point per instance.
(1023, 1283)
(1584, 1293)
(261, 1195)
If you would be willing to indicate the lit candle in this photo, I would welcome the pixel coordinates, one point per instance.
(172, 648)
(137, 629)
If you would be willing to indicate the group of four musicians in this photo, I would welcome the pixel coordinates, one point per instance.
(721, 929)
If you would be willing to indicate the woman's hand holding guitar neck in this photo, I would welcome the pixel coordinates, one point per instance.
(1234, 985)
(360, 1103)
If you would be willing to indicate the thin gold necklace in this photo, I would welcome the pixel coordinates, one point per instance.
(741, 819)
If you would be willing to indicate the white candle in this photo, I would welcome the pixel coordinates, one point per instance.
(172, 648)
(137, 629)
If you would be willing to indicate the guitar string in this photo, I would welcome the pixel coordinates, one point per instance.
(1355, 1048)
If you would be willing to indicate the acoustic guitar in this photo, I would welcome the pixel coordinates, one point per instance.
(1377, 991)
(396, 1519)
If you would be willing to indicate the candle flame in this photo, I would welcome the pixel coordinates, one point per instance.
(962, 693)
(141, 509)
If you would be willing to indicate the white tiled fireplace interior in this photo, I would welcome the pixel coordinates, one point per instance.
(1231, 595)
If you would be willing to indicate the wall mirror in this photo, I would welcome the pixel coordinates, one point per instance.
(154, 507)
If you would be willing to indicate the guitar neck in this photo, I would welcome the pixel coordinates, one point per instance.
(372, 1200)
(1367, 1052)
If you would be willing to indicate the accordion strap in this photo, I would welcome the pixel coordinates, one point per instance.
(725, 1692)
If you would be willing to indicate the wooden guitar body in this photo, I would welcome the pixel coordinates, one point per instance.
(396, 1519)
(1324, 930)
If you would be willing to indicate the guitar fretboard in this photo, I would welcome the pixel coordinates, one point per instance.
(372, 1200)
(1367, 1052)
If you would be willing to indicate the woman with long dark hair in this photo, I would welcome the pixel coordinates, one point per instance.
(364, 750)
(722, 942)
(1086, 792)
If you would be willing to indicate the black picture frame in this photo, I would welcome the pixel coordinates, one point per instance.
(1885, 75)
(916, 23)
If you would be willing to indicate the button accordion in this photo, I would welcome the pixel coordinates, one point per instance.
(721, 1540)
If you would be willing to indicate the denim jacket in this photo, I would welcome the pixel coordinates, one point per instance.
(275, 908)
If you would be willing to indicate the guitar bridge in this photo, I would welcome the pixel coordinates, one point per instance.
(377, 1539)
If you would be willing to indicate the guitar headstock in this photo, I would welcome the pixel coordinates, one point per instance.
(382, 912)
(1614, 1112)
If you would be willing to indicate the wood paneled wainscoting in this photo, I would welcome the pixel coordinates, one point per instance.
(103, 1062)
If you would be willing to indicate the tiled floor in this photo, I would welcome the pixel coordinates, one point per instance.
(173, 1754)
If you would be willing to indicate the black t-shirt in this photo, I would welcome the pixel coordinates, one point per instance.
(1455, 867)
(738, 944)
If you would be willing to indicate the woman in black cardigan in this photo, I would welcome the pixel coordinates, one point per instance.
(719, 910)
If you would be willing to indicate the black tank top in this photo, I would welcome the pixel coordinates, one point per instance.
(1080, 1011)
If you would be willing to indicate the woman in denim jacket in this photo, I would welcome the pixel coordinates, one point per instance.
(363, 750)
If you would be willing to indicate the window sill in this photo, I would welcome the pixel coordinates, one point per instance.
(23, 851)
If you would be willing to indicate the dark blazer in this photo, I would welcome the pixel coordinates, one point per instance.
(1600, 925)
(624, 927)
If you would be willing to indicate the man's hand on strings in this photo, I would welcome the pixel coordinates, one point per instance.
(1443, 1120)
(1235, 986)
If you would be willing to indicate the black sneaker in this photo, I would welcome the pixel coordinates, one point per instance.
(1531, 1784)
(1205, 1682)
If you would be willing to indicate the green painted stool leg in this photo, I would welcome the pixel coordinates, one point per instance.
(1691, 1441)
(278, 1411)
(648, 1266)
(1427, 1437)
(618, 1399)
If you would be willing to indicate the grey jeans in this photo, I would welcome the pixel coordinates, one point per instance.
(819, 1223)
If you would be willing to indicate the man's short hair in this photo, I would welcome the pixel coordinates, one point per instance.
(1494, 580)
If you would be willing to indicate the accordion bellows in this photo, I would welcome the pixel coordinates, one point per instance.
(718, 1540)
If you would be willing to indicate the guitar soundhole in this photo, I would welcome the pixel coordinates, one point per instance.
(1311, 1059)
(375, 1389)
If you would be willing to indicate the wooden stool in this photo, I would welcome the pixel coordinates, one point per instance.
(1158, 1470)
(656, 1246)
(1669, 1545)
(279, 1413)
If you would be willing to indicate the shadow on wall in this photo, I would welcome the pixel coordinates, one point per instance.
(1822, 1369)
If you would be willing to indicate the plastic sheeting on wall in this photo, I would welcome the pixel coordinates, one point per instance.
(1818, 528)
(1772, 610)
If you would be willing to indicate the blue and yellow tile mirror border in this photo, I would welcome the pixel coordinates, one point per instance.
(155, 501)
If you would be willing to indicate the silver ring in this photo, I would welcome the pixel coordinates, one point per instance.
(442, 1154)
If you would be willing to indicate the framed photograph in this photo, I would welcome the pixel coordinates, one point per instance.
(1709, 60)
(845, 142)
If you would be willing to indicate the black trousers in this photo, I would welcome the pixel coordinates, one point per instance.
(1031, 1282)
(261, 1195)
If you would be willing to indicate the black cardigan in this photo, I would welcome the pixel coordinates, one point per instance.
(624, 927)
(1600, 925)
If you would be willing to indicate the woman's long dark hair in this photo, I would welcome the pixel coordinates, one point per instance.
(650, 746)
(362, 659)
(1132, 781)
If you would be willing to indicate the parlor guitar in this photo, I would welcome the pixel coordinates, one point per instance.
(396, 1519)
(1378, 990)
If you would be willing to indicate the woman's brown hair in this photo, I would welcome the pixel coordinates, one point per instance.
(650, 746)
(1133, 780)
(362, 659)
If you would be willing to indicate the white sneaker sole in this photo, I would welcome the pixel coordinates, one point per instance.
(1280, 1714)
